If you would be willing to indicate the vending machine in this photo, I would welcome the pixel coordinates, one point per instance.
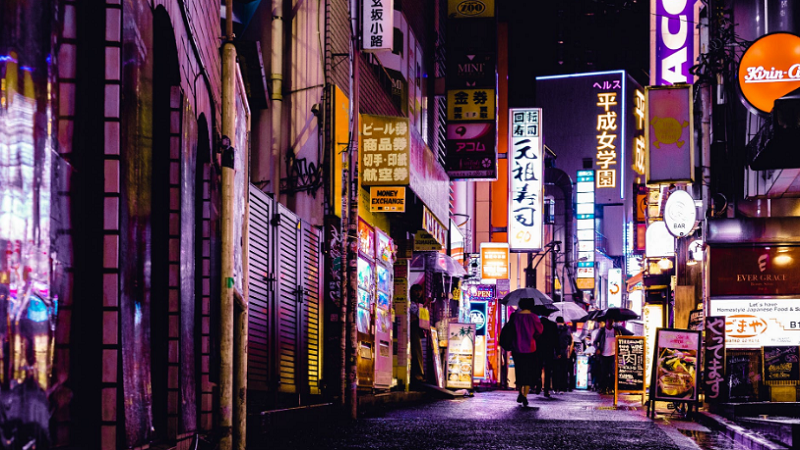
(383, 310)
(366, 304)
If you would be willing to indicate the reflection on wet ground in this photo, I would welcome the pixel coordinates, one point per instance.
(713, 440)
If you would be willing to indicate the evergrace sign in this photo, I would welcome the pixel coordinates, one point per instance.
(672, 42)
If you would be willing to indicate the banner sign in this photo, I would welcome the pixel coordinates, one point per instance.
(755, 323)
(769, 69)
(672, 41)
(470, 104)
(424, 242)
(494, 260)
(675, 365)
(781, 363)
(614, 288)
(471, 151)
(387, 199)
(377, 24)
(460, 355)
(463, 9)
(714, 360)
(384, 151)
(526, 173)
(639, 142)
(670, 134)
(432, 225)
(743, 271)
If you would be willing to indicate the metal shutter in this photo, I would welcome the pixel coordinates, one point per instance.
(312, 240)
(288, 299)
(261, 291)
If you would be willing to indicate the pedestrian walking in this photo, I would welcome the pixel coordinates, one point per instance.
(605, 343)
(519, 336)
(563, 354)
(547, 343)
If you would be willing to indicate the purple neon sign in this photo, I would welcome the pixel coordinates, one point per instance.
(674, 41)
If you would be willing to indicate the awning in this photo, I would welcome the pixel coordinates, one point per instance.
(634, 280)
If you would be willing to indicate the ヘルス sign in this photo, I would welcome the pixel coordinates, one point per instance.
(387, 199)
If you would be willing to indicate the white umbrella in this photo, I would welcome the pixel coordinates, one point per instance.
(570, 311)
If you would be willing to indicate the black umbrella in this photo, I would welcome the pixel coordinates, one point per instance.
(539, 298)
(618, 314)
(591, 316)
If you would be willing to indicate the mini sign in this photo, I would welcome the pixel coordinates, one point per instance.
(384, 151)
(769, 69)
(387, 199)
(470, 104)
(680, 214)
(377, 25)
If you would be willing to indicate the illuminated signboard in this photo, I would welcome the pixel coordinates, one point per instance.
(680, 213)
(754, 323)
(639, 143)
(526, 173)
(384, 151)
(470, 104)
(614, 288)
(653, 319)
(669, 134)
(659, 242)
(672, 24)
(387, 199)
(607, 134)
(378, 25)
(494, 260)
(463, 9)
(585, 225)
(770, 69)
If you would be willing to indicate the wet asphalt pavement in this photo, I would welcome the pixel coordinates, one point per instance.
(493, 420)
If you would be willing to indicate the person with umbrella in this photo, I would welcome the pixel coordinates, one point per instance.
(526, 326)
(605, 343)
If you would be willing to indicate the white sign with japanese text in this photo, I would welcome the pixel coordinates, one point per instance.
(377, 25)
(755, 323)
(526, 173)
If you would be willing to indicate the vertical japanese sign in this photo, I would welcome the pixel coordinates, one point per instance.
(669, 134)
(384, 151)
(585, 228)
(672, 26)
(377, 25)
(526, 173)
(608, 130)
(639, 143)
(714, 359)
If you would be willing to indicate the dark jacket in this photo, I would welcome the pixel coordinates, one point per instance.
(600, 339)
(564, 341)
(547, 342)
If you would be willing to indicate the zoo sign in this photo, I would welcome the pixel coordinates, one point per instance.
(467, 9)
(669, 134)
(770, 69)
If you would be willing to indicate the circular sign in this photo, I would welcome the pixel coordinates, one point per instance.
(478, 318)
(680, 213)
(471, 8)
(770, 69)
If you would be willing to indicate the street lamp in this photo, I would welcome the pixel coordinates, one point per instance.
(553, 247)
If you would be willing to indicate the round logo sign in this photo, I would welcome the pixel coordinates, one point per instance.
(770, 69)
(478, 318)
(680, 213)
(471, 8)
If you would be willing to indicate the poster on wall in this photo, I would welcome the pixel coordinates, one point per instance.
(675, 365)
(460, 355)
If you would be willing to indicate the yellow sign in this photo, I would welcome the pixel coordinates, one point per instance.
(585, 283)
(466, 9)
(384, 151)
(387, 199)
(341, 134)
(470, 104)
(424, 242)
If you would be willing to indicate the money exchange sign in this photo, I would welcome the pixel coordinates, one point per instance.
(526, 172)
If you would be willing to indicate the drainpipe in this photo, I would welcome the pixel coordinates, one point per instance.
(276, 94)
(705, 145)
(228, 199)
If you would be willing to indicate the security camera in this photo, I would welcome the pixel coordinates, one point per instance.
(315, 109)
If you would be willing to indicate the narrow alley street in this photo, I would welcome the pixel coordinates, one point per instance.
(493, 420)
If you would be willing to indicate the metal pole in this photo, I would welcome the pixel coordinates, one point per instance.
(276, 94)
(228, 199)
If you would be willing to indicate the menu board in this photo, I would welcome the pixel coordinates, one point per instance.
(460, 355)
(675, 365)
(743, 374)
(781, 363)
(714, 360)
(630, 363)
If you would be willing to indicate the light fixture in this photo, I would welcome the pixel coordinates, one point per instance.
(782, 260)
(665, 264)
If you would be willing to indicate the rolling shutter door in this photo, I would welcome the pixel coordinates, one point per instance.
(261, 291)
(288, 298)
(312, 241)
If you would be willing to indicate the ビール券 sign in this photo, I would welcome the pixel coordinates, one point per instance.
(387, 199)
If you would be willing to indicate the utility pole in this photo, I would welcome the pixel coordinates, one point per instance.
(352, 220)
